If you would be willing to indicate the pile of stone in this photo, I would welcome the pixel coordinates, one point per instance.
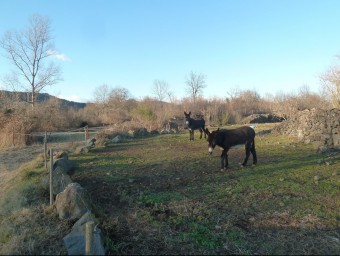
(262, 118)
(72, 203)
(317, 126)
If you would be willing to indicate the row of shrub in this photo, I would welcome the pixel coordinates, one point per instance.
(19, 119)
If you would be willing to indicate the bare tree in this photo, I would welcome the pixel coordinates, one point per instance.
(171, 97)
(195, 84)
(331, 84)
(160, 89)
(101, 94)
(119, 94)
(112, 104)
(28, 50)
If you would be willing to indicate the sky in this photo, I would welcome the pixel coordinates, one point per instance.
(269, 46)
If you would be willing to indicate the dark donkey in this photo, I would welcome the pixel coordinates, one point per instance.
(194, 125)
(229, 138)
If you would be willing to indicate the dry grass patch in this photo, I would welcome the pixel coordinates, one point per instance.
(33, 231)
(28, 225)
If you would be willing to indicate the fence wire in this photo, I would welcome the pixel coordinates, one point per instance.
(65, 136)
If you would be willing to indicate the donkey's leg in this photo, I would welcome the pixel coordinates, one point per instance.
(224, 159)
(191, 134)
(253, 152)
(247, 147)
(201, 133)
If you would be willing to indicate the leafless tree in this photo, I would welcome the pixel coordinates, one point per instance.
(28, 51)
(101, 94)
(112, 104)
(160, 89)
(195, 84)
(171, 97)
(331, 84)
(119, 94)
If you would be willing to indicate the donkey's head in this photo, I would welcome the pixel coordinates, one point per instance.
(211, 139)
(187, 117)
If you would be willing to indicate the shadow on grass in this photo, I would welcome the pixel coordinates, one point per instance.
(178, 202)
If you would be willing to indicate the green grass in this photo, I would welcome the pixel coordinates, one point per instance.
(166, 195)
(25, 191)
(169, 194)
(28, 225)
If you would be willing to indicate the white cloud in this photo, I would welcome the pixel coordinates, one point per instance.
(58, 55)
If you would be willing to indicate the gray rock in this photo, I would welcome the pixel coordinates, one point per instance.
(63, 163)
(75, 240)
(60, 180)
(72, 202)
(117, 139)
(91, 142)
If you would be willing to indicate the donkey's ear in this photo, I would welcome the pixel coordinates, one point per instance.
(207, 131)
(185, 113)
(190, 113)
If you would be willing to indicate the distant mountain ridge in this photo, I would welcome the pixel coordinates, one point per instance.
(40, 97)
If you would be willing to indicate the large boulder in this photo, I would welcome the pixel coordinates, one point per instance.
(91, 142)
(60, 180)
(117, 139)
(62, 167)
(75, 240)
(72, 202)
(64, 164)
(139, 132)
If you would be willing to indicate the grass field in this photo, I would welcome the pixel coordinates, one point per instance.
(166, 195)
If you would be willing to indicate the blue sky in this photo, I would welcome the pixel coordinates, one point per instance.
(269, 46)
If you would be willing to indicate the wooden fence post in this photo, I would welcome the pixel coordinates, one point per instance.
(89, 238)
(51, 176)
(12, 136)
(45, 150)
(86, 133)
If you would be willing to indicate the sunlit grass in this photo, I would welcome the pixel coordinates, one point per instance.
(176, 188)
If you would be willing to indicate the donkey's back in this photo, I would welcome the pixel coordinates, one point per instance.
(236, 136)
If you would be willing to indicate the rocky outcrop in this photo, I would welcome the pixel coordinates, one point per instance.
(317, 126)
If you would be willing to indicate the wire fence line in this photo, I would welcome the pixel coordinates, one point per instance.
(62, 136)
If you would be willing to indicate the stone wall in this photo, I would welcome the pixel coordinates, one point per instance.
(317, 126)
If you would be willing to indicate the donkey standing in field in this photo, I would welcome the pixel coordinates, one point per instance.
(229, 138)
(194, 125)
